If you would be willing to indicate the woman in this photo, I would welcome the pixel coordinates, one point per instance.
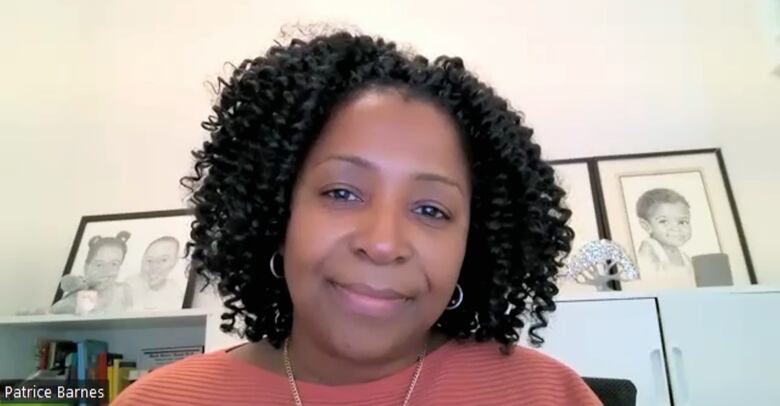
(380, 227)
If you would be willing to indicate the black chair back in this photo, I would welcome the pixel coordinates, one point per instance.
(613, 392)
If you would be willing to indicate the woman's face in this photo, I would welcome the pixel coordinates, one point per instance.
(104, 267)
(378, 227)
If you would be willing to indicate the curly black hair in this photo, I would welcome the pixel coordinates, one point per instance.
(269, 112)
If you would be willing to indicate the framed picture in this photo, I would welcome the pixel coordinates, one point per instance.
(127, 263)
(675, 215)
(576, 177)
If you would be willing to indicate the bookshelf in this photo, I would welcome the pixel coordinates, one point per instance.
(126, 333)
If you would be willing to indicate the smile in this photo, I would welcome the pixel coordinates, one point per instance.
(367, 301)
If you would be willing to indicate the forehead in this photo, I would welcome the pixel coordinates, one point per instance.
(670, 209)
(162, 245)
(395, 131)
(108, 249)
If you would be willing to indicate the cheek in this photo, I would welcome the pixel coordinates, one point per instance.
(442, 258)
(659, 228)
(311, 237)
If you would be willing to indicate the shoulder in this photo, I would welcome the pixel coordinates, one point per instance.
(133, 280)
(648, 257)
(647, 248)
(532, 376)
(521, 359)
(124, 288)
(121, 285)
(196, 377)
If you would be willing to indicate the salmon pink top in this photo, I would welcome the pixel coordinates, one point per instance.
(467, 373)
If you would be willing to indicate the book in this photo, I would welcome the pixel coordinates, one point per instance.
(87, 354)
(70, 368)
(58, 350)
(102, 366)
(43, 353)
(121, 375)
(110, 374)
(113, 389)
(110, 357)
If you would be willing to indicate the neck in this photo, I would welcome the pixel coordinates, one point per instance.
(673, 253)
(670, 249)
(312, 362)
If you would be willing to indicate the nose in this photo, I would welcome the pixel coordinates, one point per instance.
(381, 236)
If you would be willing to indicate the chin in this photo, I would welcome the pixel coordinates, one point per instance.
(675, 242)
(360, 341)
(363, 347)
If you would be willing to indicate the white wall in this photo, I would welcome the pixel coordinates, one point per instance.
(101, 100)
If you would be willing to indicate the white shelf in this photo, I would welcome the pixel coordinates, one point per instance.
(636, 294)
(126, 333)
(176, 318)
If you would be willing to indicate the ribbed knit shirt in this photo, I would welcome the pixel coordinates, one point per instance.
(454, 374)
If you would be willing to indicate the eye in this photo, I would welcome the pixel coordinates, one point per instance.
(341, 194)
(661, 221)
(432, 212)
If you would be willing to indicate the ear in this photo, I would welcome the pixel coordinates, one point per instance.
(645, 225)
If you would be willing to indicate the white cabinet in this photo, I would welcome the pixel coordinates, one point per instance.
(617, 338)
(724, 349)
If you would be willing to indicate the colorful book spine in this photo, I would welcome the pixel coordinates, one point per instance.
(53, 354)
(114, 389)
(102, 366)
(110, 375)
(43, 354)
(122, 372)
(81, 361)
(87, 358)
(111, 383)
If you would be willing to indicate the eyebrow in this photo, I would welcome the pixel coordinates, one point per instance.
(422, 176)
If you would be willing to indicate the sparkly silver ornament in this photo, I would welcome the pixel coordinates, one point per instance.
(593, 263)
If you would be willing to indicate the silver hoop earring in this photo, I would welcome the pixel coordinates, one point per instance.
(455, 303)
(271, 265)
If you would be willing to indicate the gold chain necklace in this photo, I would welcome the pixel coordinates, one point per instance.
(297, 396)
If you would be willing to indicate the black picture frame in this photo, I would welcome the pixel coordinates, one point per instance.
(600, 216)
(715, 153)
(85, 221)
(595, 186)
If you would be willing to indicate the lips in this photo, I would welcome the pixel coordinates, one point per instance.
(366, 290)
(367, 301)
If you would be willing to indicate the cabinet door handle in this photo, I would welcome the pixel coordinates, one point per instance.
(658, 376)
(680, 377)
